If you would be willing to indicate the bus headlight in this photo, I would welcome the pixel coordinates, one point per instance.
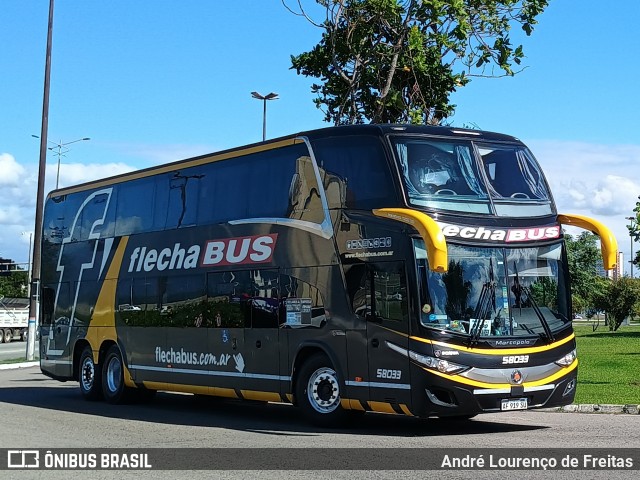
(443, 366)
(568, 359)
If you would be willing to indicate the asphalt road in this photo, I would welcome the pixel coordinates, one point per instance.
(41, 413)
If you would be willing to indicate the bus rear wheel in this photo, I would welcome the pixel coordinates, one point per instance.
(90, 378)
(113, 387)
(318, 390)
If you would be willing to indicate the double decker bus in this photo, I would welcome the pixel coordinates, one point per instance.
(401, 269)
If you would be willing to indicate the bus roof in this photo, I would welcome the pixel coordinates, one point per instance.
(345, 130)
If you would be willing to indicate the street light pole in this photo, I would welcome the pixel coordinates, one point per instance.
(633, 222)
(29, 264)
(42, 165)
(264, 98)
(60, 152)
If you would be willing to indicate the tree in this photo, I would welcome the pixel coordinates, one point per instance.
(619, 300)
(14, 285)
(389, 61)
(582, 256)
(634, 230)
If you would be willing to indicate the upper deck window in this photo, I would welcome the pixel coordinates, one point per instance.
(513, 174)
(496, 179)
(441, 175)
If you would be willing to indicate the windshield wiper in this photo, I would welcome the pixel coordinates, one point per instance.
(483, 311)
(519, 288)
(545, 325)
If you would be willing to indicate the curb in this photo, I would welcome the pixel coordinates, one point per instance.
(11, 366)
(596, 408)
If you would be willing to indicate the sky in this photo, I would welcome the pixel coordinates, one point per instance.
(153, 81)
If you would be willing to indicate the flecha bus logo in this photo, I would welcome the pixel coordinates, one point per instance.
(239, 251)
(218, 252)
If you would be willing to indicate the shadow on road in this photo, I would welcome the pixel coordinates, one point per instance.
(275, 419)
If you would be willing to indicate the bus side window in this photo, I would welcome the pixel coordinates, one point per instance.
(301, 304)
(356, 278)
(378, 291)
(48, 301)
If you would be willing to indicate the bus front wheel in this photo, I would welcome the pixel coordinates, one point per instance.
(318, 391)
(90, 378)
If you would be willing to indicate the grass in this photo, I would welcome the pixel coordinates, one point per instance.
(609, 368)
(17, 360)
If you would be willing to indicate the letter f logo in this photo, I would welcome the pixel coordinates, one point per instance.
(77, 254)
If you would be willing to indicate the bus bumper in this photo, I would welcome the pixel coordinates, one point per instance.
(441, 398)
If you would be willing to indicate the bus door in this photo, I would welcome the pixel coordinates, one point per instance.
(56, 312)
(245, 309)
(387, 335)
(261, 338)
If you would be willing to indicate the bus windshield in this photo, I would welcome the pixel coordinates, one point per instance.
(486, 178)
(495, 292)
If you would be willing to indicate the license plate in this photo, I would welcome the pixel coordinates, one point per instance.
(514, 404)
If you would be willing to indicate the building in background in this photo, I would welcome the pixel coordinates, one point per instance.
(614, 274)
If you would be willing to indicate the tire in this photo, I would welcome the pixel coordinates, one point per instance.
(113, 387)
(318, 390)
(89, 376)
(8, 335)
(1, 336)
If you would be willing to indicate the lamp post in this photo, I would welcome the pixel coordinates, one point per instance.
(633, 222)
(42, 165)
(29, 265)
(264, 98)
(62, 150)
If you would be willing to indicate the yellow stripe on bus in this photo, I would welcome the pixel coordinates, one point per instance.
(382, 407)
(351, 404)
(178, 387)
(475, 383)
(223, 392)
(102, 326)
(405, 410)
(103, 323)
(261, 396)
(497, 351)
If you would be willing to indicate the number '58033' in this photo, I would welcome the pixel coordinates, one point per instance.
(392, 374)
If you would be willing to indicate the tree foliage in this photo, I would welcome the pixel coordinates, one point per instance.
(14, 285)
(398, 61)
(634, 230)
(582, 255)
(619, 300)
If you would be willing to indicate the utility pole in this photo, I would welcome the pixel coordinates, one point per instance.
(34, 300)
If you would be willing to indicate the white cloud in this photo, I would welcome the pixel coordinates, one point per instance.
(18, 197)
(11, 172)
(74, 173)
(600, 181)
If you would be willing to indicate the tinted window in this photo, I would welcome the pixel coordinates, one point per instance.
(135, 206)
(183, 196)
(252, 186)
(360, 165)
(248, 298)
(513, 173)
(302, 303)
(378, 289)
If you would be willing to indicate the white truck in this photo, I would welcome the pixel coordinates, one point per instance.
(14, 319)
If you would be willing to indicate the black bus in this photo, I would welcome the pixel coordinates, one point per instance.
(402, 269)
